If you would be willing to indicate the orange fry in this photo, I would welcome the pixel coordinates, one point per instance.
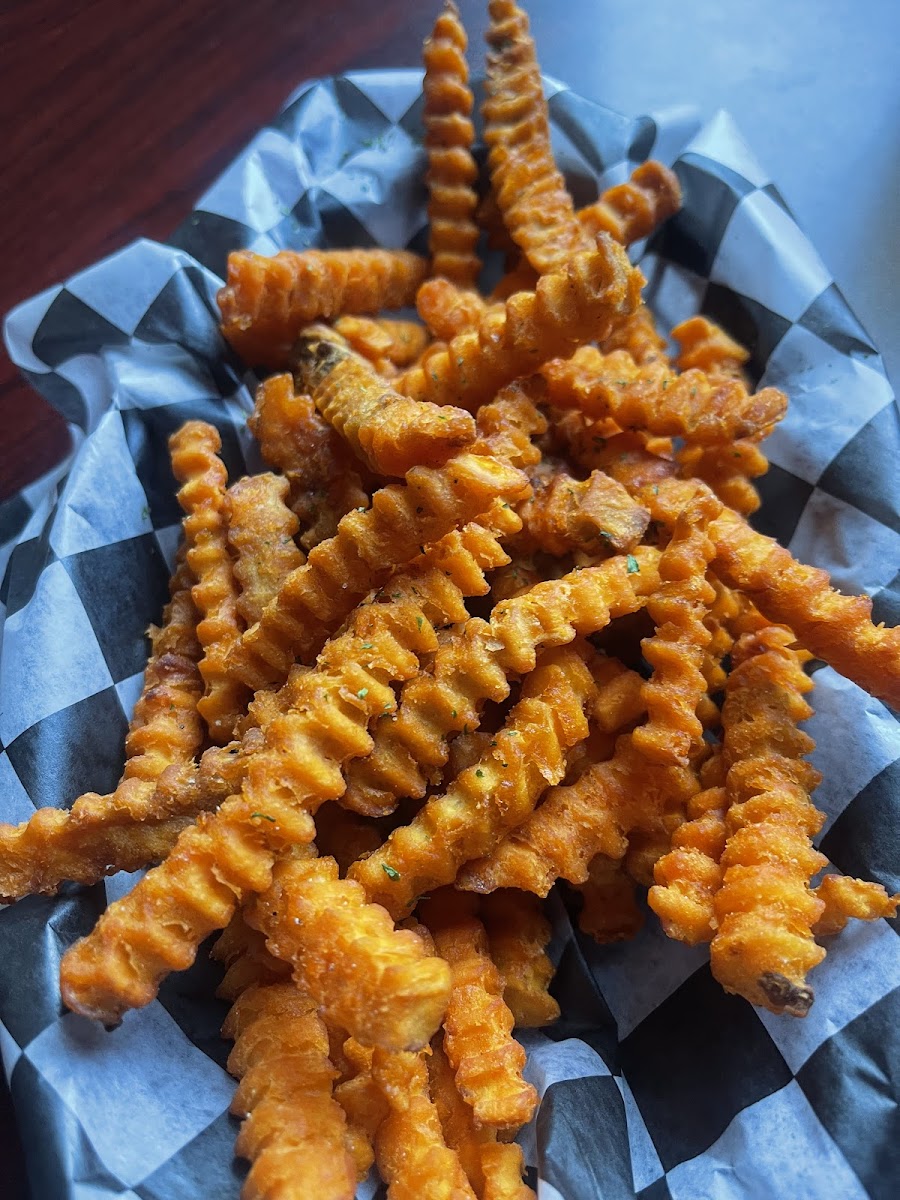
(364, 975)
(385, 341)
(845, 898)
(410, 1151)
(202, 475)
(487, 1061)
(654, 398)
(389, 432)
(579, 301)
(449, 134)
(293, 1131)
(631, 211)
(610, 912)
(267, 301)
(518, 935)
(763, 946)
(261, 531)
(676, 649)
(486, 800)
(705, 345)
(242, 951)
(448, 309)
(638, 336)
(531, 193)
(368, 545)
(728, 470)
(595, 515)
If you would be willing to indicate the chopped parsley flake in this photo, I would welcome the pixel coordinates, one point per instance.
(633, 565)
(390, 872)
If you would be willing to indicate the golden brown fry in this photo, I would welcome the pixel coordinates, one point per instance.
(368, 545)
(595, 515)
(364, 975)
(158, 926)
(323, 473)
(486, 800)
(705, 345)
(845, 898)
(610, 912)
(518, 935)
(507, 425)
(242, 951)
(728, 470)
(487, 1061)
(363, 1103)
(654, 398)
(261, 531)
(675, 652)
(448, 308)
(579, 301)
(386, 342)
(638, 336)
(632, 210)
(293, 1131)
(531, 193)
(619, 700)
(344, 836)
(390, 433)
(522, 278)
(267, 301)
(202, 475)
(576, 822)
(763, 947)
(449, 134)
(410, 1151)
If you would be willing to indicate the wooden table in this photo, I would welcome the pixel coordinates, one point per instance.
(116, 117)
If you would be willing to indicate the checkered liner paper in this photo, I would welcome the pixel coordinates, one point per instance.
(655, 1082)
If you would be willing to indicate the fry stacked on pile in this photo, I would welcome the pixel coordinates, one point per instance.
(483, 625)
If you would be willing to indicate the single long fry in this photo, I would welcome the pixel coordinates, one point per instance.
(676, 649)
(449, 134)
(531, 193)
(202, 475)
(403, 518)
(410, 1151)
(486, 800)
(632, 210)
(293, 1131)
(845, 899)
(267, 301)
(128, 828)
(763, 947)
(389, 432)
(487, 1061)
(225, 856)
(261, 531)
(579, 301)
(365, 976)
(518, 935)
(654, 398)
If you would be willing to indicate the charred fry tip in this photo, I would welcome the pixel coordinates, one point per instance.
(786, 997)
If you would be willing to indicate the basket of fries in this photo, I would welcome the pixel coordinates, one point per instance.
(506, 806)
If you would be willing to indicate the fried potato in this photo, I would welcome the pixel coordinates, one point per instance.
(260, 532)
(386, 342)
(518, 935)
(448, 308)
(595, 515)
(845, 899)
(632, 210)
(610, 911)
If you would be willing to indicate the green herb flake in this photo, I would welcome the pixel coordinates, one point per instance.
(262, 817)
(420, 622)
(633, 566)
(390, 872)
(479, 773)
(362, 693)
(366, 646)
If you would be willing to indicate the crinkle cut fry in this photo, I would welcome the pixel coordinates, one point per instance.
(242, 951)
(610, 912)
(323, 473)
(595, 515)
(449, 134)
(368, 545)
(487, 1060)
(484, 801)
(410, 1151)
(654, 398)
(493, 1168)
(365, 976)
(579, 301)
(638, 336)
(267, 301)
(293, 1131)
(763, 947)
(261, 531)
(385, 341)
(448, 309)
(632, 210)
(471, 666)
(675, 651)
(518, 935)
(846, 898)
(128, 828)
(202, 475)
(158, 926)
(576, 822)
(530, 191)
(389, 432)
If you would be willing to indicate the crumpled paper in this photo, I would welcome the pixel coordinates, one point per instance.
(655, 1083)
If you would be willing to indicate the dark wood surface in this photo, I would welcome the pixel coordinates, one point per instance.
(117, 116)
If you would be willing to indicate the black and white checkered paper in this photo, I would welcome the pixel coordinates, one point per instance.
(655, 1083)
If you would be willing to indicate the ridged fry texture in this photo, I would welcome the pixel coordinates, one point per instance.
(261, 531)
(518, 934)
(632, 210)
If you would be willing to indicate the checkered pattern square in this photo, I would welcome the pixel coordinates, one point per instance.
(655, 1083)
